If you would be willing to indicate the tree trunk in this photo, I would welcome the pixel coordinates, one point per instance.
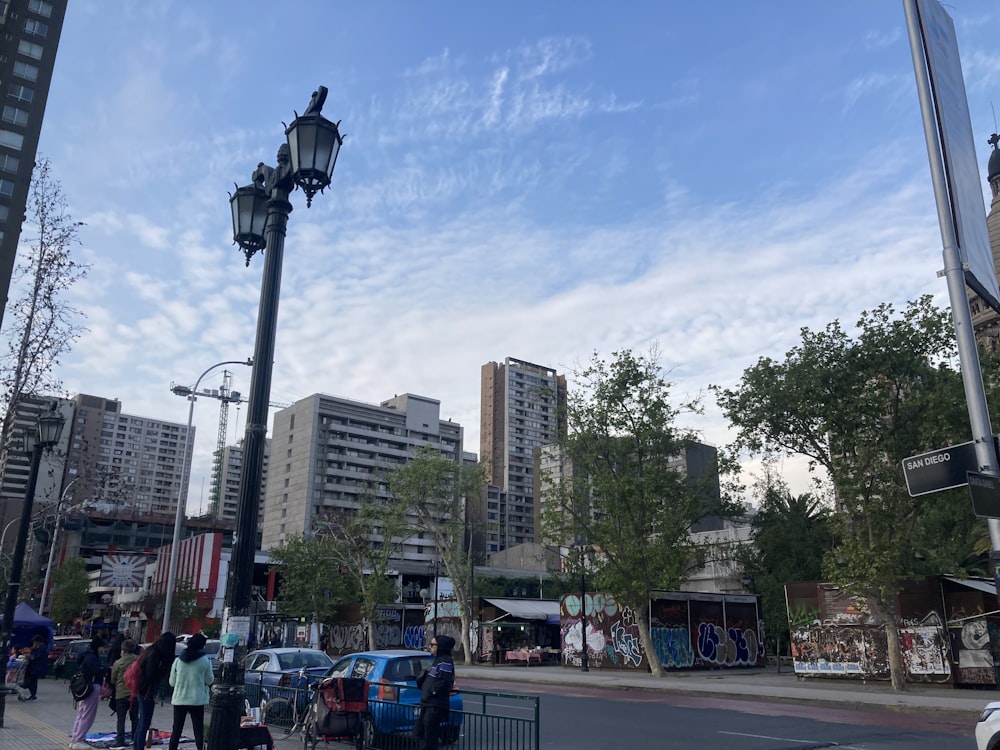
(886, 613)
(642, 620)
(466, 639)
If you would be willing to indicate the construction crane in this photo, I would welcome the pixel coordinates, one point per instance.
(226, 395)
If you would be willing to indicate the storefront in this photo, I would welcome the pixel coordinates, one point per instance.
(519, 631)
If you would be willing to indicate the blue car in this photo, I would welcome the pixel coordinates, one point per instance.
(394, 698)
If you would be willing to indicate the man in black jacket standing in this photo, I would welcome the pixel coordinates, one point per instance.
(435, 685)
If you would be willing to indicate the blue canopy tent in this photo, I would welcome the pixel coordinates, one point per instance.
(27, 624)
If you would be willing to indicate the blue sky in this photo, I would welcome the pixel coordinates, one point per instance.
(536, 180)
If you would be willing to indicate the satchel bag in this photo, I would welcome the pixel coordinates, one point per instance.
(106, 691)
(80, 687)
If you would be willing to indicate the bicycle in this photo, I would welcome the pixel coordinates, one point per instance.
(283, 711)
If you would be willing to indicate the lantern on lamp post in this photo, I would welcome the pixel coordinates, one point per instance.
(46, 434)
(260, 213)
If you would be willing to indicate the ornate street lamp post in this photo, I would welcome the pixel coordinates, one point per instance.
(584, 659)
(260, 218)
(46, 434)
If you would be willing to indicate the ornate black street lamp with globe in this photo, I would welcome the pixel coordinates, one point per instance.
(260, 218)
(44, 435)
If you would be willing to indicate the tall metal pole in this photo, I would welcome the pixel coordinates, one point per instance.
(52, 548)
(584, 665)
(227, 694)
(968, 352)
(436, 574)
(16, 567)
(182, 495)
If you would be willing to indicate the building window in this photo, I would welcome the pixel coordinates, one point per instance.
(25, 70)
(41, 7)
(4, 211)
(30, 49)
(15, 115)
(9, 163)
(20, 93)
(11, 139)
(6, 188)
(35, 28)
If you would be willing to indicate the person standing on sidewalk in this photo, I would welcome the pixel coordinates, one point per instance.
(190, 676)
(38, 665)
(435, 692)
(124, 705)
(86, 708)
(154, 668)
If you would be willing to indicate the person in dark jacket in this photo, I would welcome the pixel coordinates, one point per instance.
(38, 665)
(154, 668)
(435, 686)
(124, 705)
(86, 708)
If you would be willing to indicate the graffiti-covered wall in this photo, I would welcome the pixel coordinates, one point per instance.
(688, 631)
(834, 635)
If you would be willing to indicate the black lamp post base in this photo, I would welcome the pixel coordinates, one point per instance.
(226, 703)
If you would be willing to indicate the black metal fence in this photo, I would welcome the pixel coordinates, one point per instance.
(487, 720)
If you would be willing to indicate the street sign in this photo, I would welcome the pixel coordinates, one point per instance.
(938, 470)
(985, 492)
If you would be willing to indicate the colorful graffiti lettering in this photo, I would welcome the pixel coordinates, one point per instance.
(625, 642)
(413, 637)
(672, 646)
(727, 646)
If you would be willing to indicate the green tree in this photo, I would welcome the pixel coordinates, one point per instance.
(856, 406)
(70, 586)
(41, 325)
(790, 534)
(440, 493)
(310, 582)
(629, 498)
(366, 539)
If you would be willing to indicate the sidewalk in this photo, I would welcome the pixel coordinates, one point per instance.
(748, 683)
(45, 724)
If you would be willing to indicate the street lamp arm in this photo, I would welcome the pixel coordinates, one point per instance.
(192, 396)
(52, 548)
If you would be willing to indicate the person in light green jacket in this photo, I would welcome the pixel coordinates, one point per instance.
(190, 676)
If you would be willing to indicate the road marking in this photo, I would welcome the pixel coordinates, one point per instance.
(814, 743)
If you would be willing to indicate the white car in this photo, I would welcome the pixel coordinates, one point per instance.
(988, 728)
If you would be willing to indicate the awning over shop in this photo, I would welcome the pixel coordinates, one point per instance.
(985, 585)
(528, 609)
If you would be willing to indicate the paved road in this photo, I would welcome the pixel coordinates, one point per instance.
(575, 716)
(45, 724)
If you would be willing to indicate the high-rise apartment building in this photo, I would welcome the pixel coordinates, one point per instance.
(125, 461)
(15, 462)
(28, 44)
(521, 409)
(230, 466)
(327, 452)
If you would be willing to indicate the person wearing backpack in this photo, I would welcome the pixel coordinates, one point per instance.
(190, 676)
(86, 707)
(154, 668)
(124, 705)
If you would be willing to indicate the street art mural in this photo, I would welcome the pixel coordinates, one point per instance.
(835, 635)
(688, 631)
(839, 649)
(925, 646)
(970, 643)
